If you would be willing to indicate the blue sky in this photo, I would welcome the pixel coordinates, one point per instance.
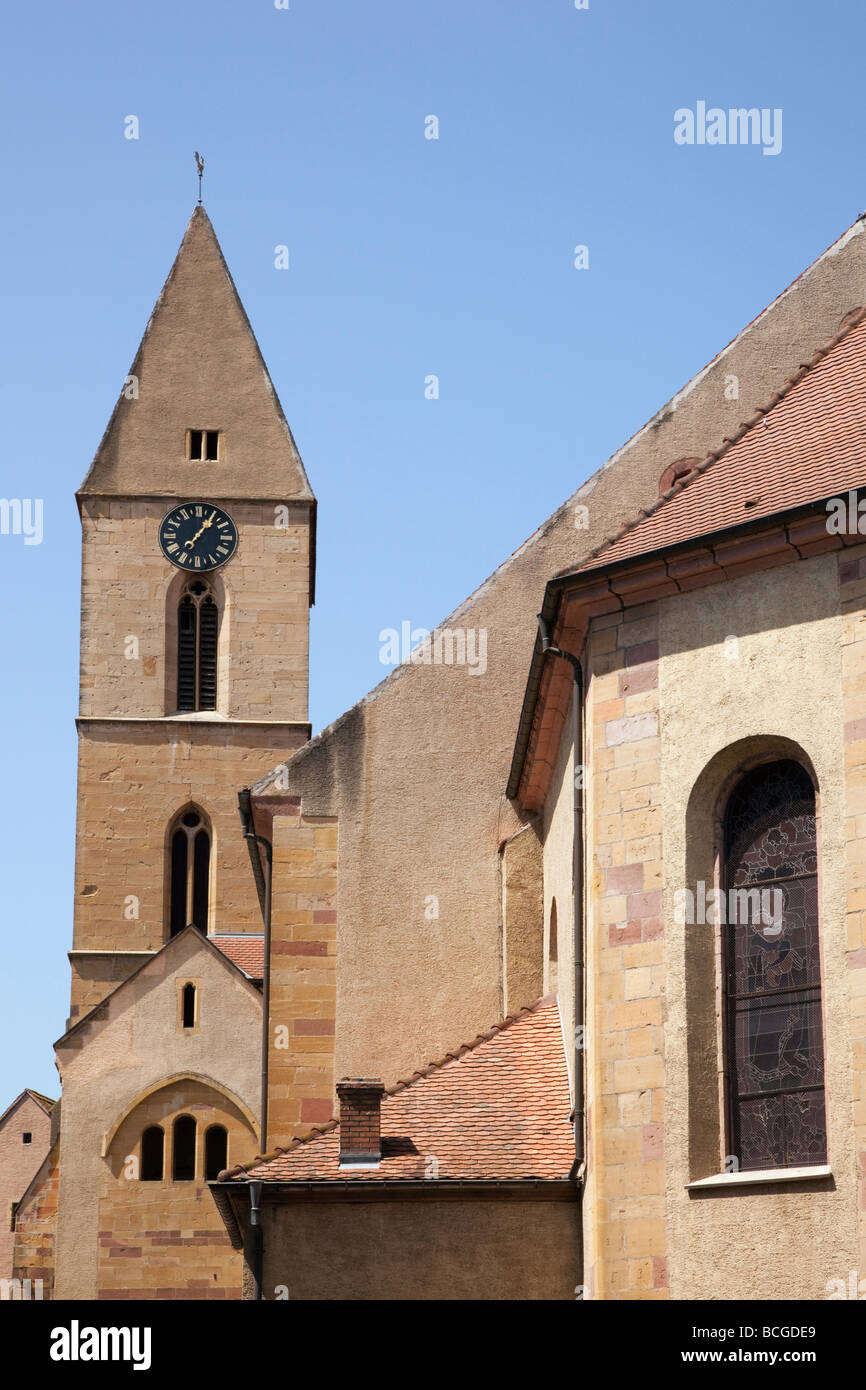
(409, 257)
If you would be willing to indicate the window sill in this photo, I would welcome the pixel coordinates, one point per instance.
(759, 1176)
(190, 714)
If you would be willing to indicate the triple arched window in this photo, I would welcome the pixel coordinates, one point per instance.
(183, 1155)
(197, 634)
(772, 971)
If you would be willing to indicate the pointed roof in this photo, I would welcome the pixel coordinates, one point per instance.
(496, 1109)
(199, 367)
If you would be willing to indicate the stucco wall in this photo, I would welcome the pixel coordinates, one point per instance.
(745, 668)
(444, 1250)
(115, 1060)
(779, 677)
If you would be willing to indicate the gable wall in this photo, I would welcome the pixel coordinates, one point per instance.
(110, 1065)
(18, 1164)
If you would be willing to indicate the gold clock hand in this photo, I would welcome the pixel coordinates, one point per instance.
(189, 544)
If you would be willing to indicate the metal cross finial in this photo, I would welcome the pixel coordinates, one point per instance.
(199, 164)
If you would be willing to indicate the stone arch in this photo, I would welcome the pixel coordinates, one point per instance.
(222, 592)
(168, 1082)
(171, 825)
(704, 816)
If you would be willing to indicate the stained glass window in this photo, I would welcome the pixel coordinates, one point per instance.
(774, 1031)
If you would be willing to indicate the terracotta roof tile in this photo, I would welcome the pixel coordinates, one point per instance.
(497, 1108)
(244, 949)
(806, 443)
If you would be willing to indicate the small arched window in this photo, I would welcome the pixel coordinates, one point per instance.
(152, 1149)
(190, 873)
(553, 952)
(197, 632)
(189, 1006)
(216, 1143)
(774, 1032)
(183, 1167)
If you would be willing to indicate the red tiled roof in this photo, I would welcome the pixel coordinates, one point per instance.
(245, 950)
(498, 1108)
(807, 443)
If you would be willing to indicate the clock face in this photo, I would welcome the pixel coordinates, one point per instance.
(198, 536)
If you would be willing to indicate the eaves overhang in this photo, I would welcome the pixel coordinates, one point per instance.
(574, 597)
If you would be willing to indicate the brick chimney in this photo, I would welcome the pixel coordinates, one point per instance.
(360, 1112)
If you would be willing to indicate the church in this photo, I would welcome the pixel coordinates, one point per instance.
(541, 981)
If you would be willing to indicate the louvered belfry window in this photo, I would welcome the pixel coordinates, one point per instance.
(197, 632)
(774, 1030)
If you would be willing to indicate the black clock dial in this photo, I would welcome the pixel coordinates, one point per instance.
(198, 536)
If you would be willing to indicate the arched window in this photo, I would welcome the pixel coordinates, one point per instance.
(774, 1033)
(197, 630)
(190, 872)
(216, 1143)
(553, 952)
(189, 1006)
(152, 1148)
(183, 1169)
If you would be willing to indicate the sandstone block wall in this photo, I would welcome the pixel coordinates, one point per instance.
(130, 594)
(132, 781)
(303, 997)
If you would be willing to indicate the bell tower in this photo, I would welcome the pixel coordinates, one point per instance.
(197, 577)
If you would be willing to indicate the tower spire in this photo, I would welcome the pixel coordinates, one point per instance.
(198, 368)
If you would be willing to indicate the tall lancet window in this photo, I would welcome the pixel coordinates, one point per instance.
(775, 1045)
(190, 849)
(197, 631)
